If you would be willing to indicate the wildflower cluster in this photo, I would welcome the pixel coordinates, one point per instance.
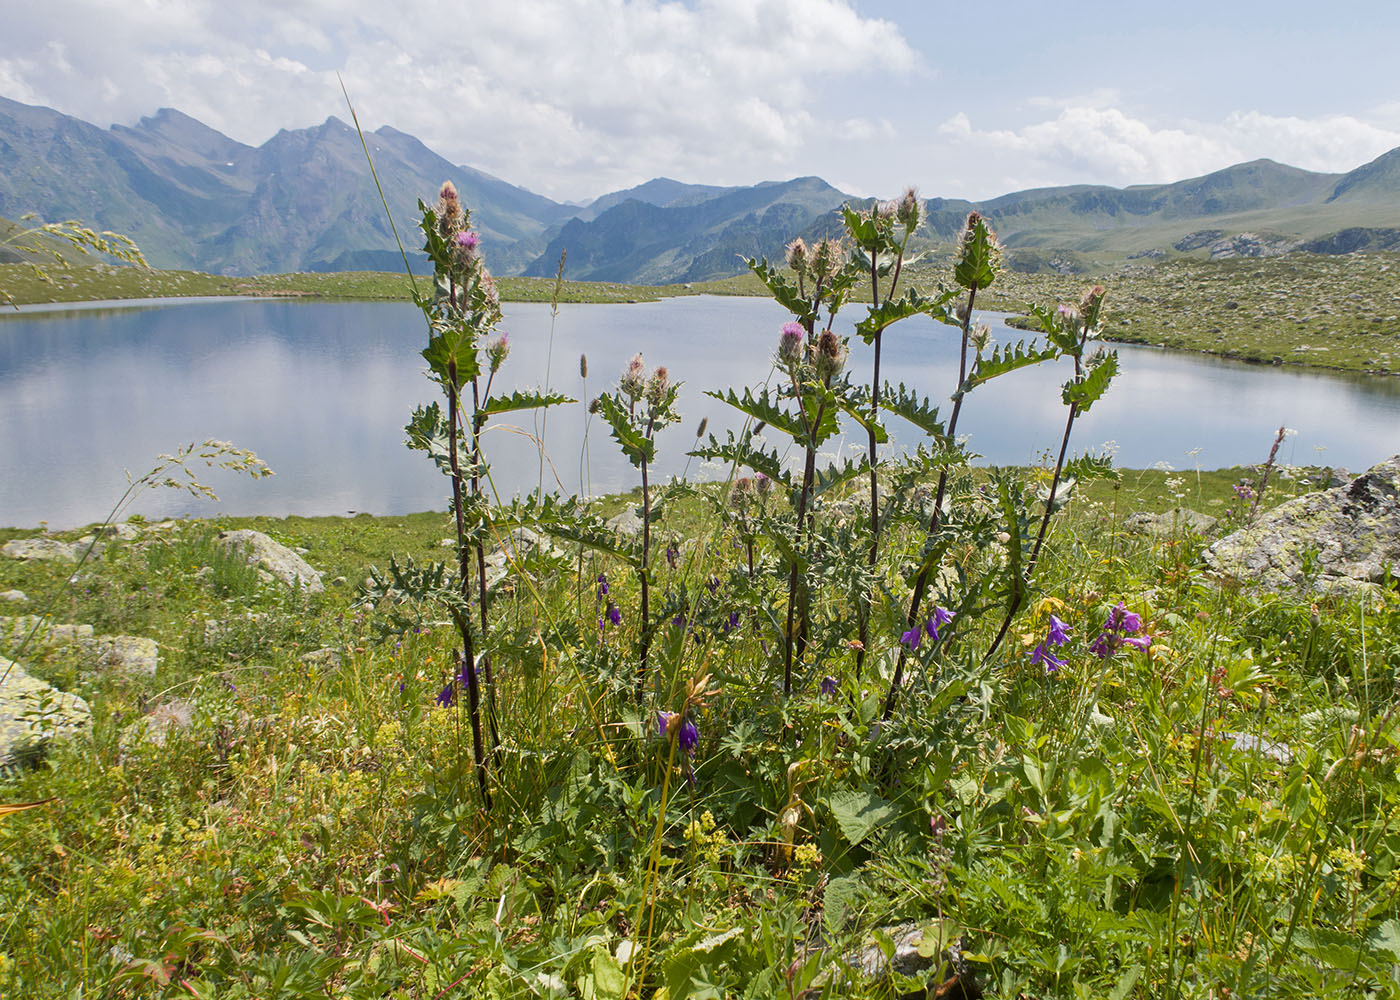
(1120, 630)
(1057, 635)
(912, 638)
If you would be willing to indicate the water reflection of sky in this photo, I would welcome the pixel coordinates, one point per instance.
(321, 391)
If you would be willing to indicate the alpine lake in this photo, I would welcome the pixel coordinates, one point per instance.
(321, 391)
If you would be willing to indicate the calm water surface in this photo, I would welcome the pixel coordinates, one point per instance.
(321, 391)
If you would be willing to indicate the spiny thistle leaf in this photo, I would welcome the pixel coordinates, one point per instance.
(856, 405)
(764, 409)
(905, 403)
(528, 400)
(782, 289)
(911, 303)
(979, 257)
(1088, 390)
(834, 476)
(740, 451)
(569, 520)
(1007, 359)
(635, 445)
(452, 341)
(1089, 466)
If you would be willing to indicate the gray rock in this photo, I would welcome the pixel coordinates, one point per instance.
(516, 545)
(628, 523)
(175, 715)
(1339, 540)
(14, 596)
(50, 549)
(1173, 522)
(127, 654)
(274, 560)
(33, 713)
(14, 631)
(912, 956)
(1247, 742)
(325, 657)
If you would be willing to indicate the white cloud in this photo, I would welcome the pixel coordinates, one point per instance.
(569, 97)
(1085, 144)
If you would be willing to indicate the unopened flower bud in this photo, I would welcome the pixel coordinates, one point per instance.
(657, 386)
(797, 256)
(739, 492)
(764, 486)
(633, 382)
(909, 212)
(594, 405)
(979, 337)
(829, 357)
(497, 351)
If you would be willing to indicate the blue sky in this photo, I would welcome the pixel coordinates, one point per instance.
(573, 98)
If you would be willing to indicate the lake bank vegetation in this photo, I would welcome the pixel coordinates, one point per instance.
(1321, 311)
(747, 739)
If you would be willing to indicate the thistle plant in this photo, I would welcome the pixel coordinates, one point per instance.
(881, 236)
(811, 358)
(1070, 328)
(642, 405)
(463, 311)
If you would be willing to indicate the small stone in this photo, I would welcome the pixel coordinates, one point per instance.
(14, 596)
(50, 549)
(127, 654)
(627, 524)
(325, 657)
(1173, 522)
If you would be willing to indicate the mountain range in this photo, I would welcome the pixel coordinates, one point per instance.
(304, 200)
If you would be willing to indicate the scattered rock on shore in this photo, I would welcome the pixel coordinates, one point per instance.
(274, 560)
(32, 713)
(1344, 539)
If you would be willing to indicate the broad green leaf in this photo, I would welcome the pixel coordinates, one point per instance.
(1088, 390)
(1386, 938)
(860, 813)
(528, 400)
(452, 342)
(840, 895)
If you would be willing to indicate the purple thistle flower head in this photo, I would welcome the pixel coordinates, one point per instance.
(689, 737)
(468, 240)
(791, 342)
(829, 685)
(912, 637)
(1059, 632)
(1049, 660)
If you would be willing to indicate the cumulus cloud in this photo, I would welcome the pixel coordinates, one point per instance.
(1105, 145)
(566, 96)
